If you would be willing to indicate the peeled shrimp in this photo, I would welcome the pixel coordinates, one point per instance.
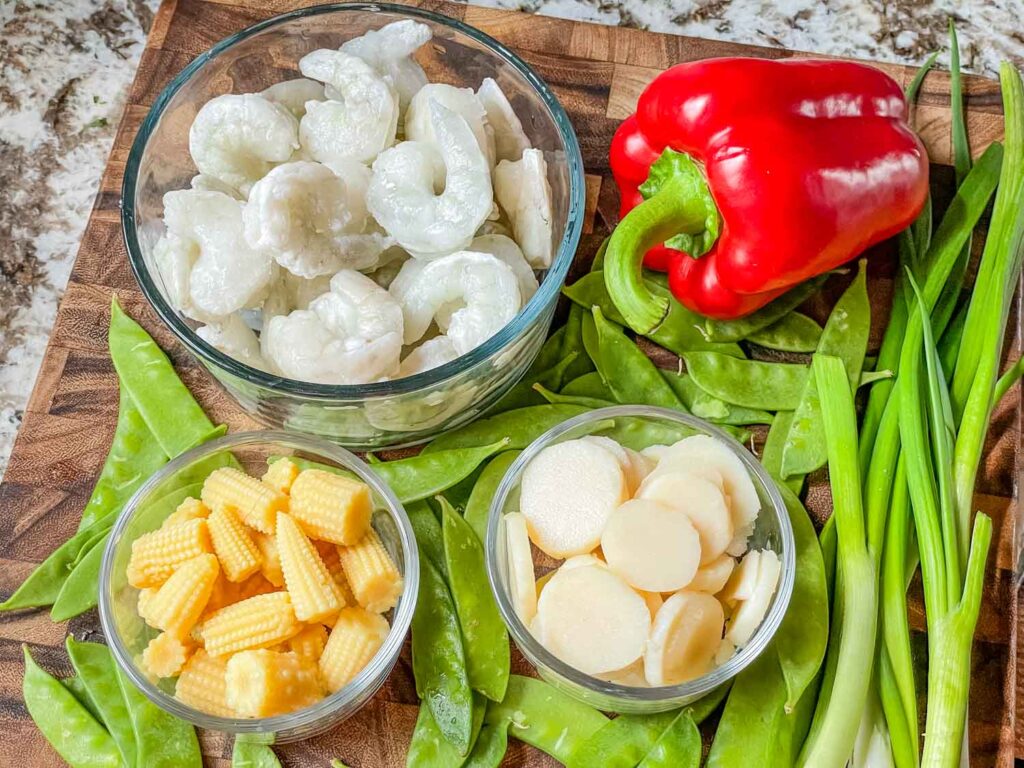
(419, 123)
(237, 138)
(205, 183)
(432, 353)
(226, 275)
(293, 94)
(510, 140)
(235, 339)
(174, 257)
(522, 189)
(486, 288)
(389, 51)
(307, 217)
(360, 117)
(505, 249)
(401, 194)
(350, 335)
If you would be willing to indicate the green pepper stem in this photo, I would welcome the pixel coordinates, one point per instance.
(670, 211)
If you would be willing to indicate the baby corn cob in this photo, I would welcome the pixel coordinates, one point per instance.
(329, 554)
(145, 599)
(178, 604)
(331, 507)
(255, 501)
(201, 684)
(262, 683)
(270, 564)
(258, 622)
(315, 595)
(189, 509)
(238, 554)
(165, 655)
(371, 573)
(157, 554)
(226, 592)
(281, 474)
(356, 637)
(309, 643)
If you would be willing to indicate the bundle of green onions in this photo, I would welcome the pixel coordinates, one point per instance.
(904, 498)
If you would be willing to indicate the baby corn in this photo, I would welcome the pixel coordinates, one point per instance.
(238, 554)
(258, 622)
(165, 655)
(355, 639)
(157, 554)
(270, 563)
(256, 502)
(189, 509)
(201, 684)
(281, 474)
(331, 507)
(315, 595)
(177, 605)
(371, 573)
(263, 683)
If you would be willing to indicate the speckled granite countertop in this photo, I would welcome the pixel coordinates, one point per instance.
(65, 69)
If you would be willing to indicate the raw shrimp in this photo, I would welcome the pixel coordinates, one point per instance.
(289, 292)
(226, 275)
(401, 195)
(310, 221)
(235, 339)
(294, 94)
(522, 189)
(237, 138)
(486, 287)
(432, 353)
(350, 335)
(360, 117)
(206, 183)
(419, 122)
(510, 140)
(505, 249)
(174, 258)
(389, 51)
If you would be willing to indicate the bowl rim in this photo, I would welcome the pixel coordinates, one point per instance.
(534, 308)
(363, 685)
(654, 695)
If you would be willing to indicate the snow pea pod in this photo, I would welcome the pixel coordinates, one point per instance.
(66, 724)
(572, 342)
(589, 385)
(168, 408)
(846, 337)
(95, 668)
(588, 333)
(439, 661)
(485, 638)
(548, 357)
(544, 717)
(429, 536)
(252, 754)
(678, 746)
(490, 748)
(558, 398)
(478, 507)
(428, 747)
(622, 742)
(163, 741)
(794, 332)
(523, 393)
(134, 456)
(80, 591)
(521, 426)
(81, 694)
(701, 404)
(742, 327)
(629, 373)
(771, 453)
(750, 383)
(679, 332)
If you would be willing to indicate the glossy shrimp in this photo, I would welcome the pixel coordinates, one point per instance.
(360, 117)
(235, 339)
(293, 95)
(419, 122)
(349, 335)
(484, 289)
(402, 195)
(432, 353)
(522, 190)
(311, 220)
(510, 140)
(237, 138)
(389, 50)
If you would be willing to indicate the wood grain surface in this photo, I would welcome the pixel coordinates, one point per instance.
(597, 72)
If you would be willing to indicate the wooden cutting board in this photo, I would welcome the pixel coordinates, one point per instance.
(597, 72)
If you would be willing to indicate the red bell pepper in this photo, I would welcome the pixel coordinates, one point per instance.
(744, 177)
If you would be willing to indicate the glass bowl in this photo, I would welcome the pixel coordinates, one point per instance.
(393, 413)
(637, 427)
(127, 634)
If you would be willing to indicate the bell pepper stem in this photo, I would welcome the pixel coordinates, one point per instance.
(671, 211)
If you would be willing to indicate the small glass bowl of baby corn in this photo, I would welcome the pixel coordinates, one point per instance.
(263, 583)
(640, 557)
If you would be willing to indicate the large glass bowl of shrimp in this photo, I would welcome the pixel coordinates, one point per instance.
(358, 217)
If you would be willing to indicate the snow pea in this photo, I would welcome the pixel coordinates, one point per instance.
(557, 398)
(490, 748)
(163, 741)
(521, 426)
(750, 383)
(168, 408)
(66, 724)
(846, 337)
(428, 748)
(589, 385)
(548, 357)
(629, 373)
(95, 668)
(678, 746)
(134, 456)
(248, 753)
(429, 536)
(80, 591)
(572, 342)
(701, 404)
(77, 688)
(439, 661)
(598, 263)
(679, 332)
(544, 717)
(588, 333)
(478, 508)
(794, 332)
(742, 327)
(483, 631)
(523, 394)
(622, 742)
(771, 453)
